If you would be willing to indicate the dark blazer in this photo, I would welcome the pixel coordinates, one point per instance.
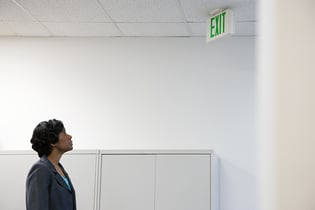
(46, 189)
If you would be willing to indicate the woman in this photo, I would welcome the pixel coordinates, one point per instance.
(48, 186)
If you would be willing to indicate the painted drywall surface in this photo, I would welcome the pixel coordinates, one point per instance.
(138, 93)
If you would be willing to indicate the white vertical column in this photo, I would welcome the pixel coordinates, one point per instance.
(286, 99)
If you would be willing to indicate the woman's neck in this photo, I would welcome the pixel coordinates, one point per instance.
(54, 157)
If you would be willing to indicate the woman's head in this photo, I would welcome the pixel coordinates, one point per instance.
(45, 135)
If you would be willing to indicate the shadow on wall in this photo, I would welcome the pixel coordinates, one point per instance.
(237, 184)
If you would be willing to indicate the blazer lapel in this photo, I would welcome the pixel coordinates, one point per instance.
(61, 181)
(67, 176)
(58, 177)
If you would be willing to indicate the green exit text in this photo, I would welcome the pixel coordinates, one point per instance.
(217, 25)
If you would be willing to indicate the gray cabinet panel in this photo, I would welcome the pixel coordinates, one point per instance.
(82, 168)
(127, 182)
(182, 182)
(14, 169)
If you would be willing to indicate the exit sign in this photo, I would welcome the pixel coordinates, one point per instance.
(220, 24)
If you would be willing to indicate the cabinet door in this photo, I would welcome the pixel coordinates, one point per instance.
(15, 167)
(14, 170)
(82, 171)
(182, 182)
(127, 182)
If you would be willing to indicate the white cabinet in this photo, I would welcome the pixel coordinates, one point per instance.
(157, 180)
(127, 182)
(14, 169)
(182, 182)
(15, 165)
(123, 180)
(82, 167)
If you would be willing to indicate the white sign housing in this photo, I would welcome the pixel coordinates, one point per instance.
(220, 24)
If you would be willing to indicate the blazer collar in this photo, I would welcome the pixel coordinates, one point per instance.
(47, 162)
(58, 177)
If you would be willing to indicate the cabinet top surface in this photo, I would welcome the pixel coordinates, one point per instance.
(122, 151)
(156, 151)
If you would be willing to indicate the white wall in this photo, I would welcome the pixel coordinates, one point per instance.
(137, 93)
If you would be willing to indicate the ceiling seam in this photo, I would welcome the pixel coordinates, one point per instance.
(111, 19)
(90, 21)
(32, 17)
(181, 9)
(246, 21)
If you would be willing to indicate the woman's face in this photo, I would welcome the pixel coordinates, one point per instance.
(64, 143)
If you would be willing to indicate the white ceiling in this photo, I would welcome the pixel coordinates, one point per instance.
(117, 18)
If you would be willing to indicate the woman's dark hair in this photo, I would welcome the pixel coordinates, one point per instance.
(45, 134)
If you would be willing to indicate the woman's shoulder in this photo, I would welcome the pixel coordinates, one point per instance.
(42, 166)
(40, 174)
